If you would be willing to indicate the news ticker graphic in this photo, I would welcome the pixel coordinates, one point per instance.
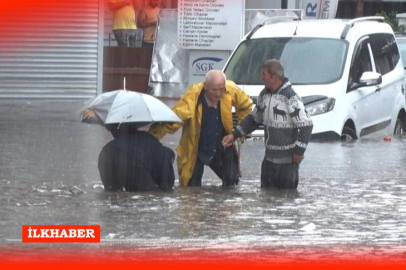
(61, 233)
(129, 256)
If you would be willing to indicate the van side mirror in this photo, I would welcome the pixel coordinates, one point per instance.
(369, 78)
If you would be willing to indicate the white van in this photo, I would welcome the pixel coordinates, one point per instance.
(348, 72)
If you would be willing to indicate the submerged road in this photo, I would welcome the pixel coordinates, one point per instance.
(351, 197)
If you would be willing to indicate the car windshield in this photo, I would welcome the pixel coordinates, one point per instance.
(306, 60)
(402, 49)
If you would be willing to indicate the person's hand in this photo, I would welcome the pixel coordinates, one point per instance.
(228, 140)
(88, 114)
(297, 158)
(241, 139)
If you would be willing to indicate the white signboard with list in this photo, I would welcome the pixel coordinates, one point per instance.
(210, 24)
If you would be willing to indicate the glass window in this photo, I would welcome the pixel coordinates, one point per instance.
(402, 47)
(362, 63)
(395, 55)
(385, 51)
(305, 60)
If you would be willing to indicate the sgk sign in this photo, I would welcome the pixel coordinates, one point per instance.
(201, 62)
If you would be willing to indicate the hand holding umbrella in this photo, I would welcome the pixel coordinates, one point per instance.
(88, 115)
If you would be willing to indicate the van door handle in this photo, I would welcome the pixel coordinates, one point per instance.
(378, 88)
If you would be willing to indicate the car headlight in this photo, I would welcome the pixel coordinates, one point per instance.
(320, 107)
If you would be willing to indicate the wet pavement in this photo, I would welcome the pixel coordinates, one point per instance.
(351, 197)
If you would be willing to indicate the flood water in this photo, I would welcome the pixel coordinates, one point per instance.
(350, 195)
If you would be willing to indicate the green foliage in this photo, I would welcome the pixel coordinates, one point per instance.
(392, 21)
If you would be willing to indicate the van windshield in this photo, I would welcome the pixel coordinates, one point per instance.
(305, 60)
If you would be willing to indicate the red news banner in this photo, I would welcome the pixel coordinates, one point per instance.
(61, 233)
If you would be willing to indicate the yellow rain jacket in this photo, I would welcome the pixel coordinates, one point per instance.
(191, 114)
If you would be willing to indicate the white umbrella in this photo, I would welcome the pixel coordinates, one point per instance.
(122, 106)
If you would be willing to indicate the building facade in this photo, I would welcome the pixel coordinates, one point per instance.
(51, 49)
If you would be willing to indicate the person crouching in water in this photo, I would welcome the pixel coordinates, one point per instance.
(135, 161)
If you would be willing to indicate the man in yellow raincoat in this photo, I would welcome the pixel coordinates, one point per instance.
(205, 110)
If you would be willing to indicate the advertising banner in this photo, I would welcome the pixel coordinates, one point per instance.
(210, 24)
(319, 9)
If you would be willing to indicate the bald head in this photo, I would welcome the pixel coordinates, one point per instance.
(215, 75)
(215, 84)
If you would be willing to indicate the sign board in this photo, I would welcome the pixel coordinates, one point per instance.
(200, 62)
(210, 24)
(172, 70)
(319, 9)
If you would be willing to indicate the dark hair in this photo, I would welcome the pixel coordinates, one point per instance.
(170, 152)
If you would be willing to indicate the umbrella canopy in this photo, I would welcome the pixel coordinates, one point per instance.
(122, 106)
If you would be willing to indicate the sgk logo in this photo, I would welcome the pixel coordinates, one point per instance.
(61, 233)
(205, 64)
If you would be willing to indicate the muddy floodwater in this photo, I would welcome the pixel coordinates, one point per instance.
(351, 196)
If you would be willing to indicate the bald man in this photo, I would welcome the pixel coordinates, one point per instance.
(205, 110)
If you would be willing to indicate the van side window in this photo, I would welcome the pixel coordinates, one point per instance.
(395, 55)
(385, 51)
(361, 63)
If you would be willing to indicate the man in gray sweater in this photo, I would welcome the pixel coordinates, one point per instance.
(286, 124)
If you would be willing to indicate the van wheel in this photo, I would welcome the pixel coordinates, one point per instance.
(348, 135)
(399, 127)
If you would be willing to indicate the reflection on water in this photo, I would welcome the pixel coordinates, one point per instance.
(350, 194)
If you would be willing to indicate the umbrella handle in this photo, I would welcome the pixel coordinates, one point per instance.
(239, 158)
(124, 83)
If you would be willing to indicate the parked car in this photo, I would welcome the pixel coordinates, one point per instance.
(348, 72)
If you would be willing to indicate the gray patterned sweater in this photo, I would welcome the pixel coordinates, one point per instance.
(287, 126)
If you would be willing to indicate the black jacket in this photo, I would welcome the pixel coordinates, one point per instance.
(136, 162)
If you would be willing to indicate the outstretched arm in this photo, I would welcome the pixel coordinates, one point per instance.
(159, 130)
(183, 109)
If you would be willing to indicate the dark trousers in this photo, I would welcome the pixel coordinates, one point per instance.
(281, 176)
(224, 164)
(122, 35)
